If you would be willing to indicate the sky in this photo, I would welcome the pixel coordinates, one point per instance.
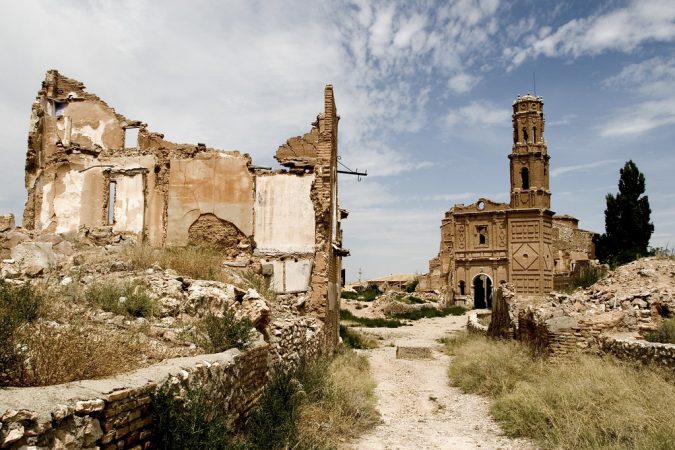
(424, 90)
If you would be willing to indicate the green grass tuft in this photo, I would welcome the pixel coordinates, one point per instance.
(664, 334)
(422, 313)
(107, 295)
(368, 322)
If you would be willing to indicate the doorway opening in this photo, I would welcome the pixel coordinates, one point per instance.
(482, 292)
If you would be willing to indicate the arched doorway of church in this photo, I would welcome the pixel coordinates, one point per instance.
(482, 291)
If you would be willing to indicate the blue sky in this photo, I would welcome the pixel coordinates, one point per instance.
(424, 89)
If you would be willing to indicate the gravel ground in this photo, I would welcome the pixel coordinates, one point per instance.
(419, 409)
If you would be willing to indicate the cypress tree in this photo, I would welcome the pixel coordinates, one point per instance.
(627, 225)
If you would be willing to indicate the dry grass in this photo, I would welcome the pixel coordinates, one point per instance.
(355, 339)
(318, 406)
(72, 352)
(584, 402)
(342, 407)
(261, 284)
(200, 263)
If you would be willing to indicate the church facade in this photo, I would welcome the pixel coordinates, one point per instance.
(487, 243)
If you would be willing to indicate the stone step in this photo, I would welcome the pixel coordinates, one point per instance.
(408, 352)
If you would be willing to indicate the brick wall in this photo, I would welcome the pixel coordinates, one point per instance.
(116, 413)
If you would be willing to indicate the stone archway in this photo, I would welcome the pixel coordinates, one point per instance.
(482, 291)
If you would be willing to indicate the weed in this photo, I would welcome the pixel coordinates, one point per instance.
(588, 276)
(107, 295)
(261, 284)
(354, 339)
(410, 287)
(664, 334)
(454, 341)
(141, 256)
(217, 334)
(317, 406)
(200, 263)
(370, 293)
(71, 352)
(584, 402)
(19, 305)
(349, 295)
(274, 423)
(422, 313)
(370, 323)
(188, 419)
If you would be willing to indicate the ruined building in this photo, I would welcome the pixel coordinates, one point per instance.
(91, 170)
(521, 242)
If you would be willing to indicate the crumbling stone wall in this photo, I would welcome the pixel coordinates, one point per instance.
(87, 168)
(631, 349)
(116, 413)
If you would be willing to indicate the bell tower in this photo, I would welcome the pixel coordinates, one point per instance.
(529, 156)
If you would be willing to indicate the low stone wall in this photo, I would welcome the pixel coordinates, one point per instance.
(116, 413)
(632, 349)
(473, 324)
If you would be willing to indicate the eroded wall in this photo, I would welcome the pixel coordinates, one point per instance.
(89, 166)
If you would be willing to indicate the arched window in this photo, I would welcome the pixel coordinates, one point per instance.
(525, 177)
(534, 135)
(525, 135)
(462, 288)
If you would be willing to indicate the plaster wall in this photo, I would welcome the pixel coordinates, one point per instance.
(129, 203)
(284, 214)
(215, 183)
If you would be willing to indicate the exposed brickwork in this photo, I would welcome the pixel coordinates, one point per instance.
(117, 413)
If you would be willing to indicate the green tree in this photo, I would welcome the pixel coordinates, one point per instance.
(627, 225)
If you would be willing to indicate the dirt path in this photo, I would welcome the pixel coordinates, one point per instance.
(420, 410)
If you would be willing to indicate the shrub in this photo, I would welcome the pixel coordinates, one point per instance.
(664, 334)
(368, 322)
(583, 402)
(217, 334)
(422, 313)
(354, 339)
(60, 354)
(261, 284)
(316, 406)
(410, 287)
(18, 305)
(188, 420)
(341, 405)
(274, 422)
(588, 276)
(349, 295)
(107, 294)
(370, 293)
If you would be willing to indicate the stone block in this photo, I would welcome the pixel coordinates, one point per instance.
(405, 352)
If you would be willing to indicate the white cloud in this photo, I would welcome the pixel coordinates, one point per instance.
(478, 112)
(462, 83)
(582, 167)
(651, 83)
(622, 29)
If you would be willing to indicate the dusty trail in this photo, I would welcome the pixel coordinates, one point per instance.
(420, 410)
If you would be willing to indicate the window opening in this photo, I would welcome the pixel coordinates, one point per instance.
(534, 135)
(59, 108)
(525, 135)
(482, 235)
(111, 202)
(525, 177)
(462, 287)
(130, 137)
